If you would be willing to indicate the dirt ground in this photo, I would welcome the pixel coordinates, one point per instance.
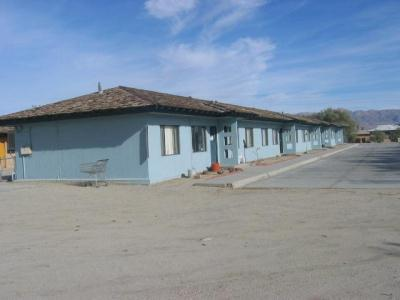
(174, 241)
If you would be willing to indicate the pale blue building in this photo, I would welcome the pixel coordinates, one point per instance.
(149, 137)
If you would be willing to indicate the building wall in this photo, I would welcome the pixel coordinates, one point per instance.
(332, 136)
(328, 136)
(59, 147)
(258, 151)
(289, 138)
(173, 166)
(301, 144)
(316, 138)
(339, 136)
(132, 143)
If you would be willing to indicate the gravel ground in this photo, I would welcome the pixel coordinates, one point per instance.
(174, 241)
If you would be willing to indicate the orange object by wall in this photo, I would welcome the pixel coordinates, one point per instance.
(215, 167)
(3, 151)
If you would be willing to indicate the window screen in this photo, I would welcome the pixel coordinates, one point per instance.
(199, 140)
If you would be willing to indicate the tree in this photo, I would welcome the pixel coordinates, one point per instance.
(340, 116)
(378, 137)
(395, 136)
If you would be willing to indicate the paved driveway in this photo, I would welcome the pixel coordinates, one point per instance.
(366, 166)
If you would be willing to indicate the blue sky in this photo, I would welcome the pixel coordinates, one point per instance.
(291, 56)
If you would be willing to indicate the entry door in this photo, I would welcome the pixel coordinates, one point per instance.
(281, 140)
(3, 152)
(213, 144)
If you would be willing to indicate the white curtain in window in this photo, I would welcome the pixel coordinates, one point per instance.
(169, 138)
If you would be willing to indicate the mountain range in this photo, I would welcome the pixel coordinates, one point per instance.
(369, 119)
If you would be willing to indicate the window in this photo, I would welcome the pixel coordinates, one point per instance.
(199, 140)
(11, 142)
(288, 136)
(227, 140)
(297, 135)
(306, 136)
(249, 138)
(264, 136)
(228, 153)
(275, 137)
(169, 140)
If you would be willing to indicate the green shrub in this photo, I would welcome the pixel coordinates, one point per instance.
(378, 137)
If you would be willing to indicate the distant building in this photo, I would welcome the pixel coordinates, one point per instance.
(363, 136)
(386, 128)
(7, 149)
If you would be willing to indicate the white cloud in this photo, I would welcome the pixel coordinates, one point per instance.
(230, 72)
(213, 17)
(169, 8)
(227, 14)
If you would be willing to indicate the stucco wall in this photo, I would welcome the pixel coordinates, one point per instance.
(302, 145)
(59, 147)
(132, 143)
(173, 166)
(258, 151)
(316, 138)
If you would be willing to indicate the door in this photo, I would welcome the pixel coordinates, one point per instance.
(3, 151)
(213, 144)
(281, 140)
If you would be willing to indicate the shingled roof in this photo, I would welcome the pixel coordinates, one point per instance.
(125, 99)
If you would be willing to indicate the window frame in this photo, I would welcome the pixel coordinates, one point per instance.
(288, 135)
(177, 146)
(203, 132)
(247, 144)
(264, 137)
(11, 142)
(275, 137)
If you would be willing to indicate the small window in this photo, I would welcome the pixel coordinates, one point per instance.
(264, 136)
(227, 129)
(11, 142)
(275, 137)
(228, 140)
(169, 140)
(249, 138)
(199, 140)
(228, 153)
(297, 135)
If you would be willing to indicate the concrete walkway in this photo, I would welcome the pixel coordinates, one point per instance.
(252, 174)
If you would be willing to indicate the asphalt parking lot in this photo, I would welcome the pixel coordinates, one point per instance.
(366, 166)
(176, 241)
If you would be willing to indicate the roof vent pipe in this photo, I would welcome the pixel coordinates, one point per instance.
(99, 88)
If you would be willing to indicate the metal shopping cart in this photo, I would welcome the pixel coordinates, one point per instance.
(96, 169)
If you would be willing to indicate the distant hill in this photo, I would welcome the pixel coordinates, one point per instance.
(369, 119)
